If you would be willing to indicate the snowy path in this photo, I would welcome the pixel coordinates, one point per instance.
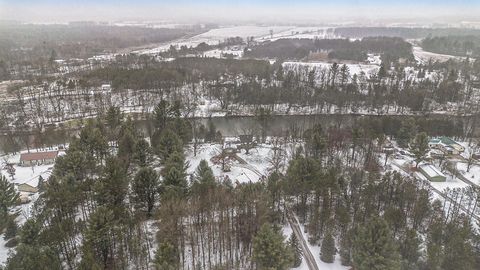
(307, 254)
(432, 188)
(454, 170)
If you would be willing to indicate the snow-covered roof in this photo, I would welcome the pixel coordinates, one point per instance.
(38, 156)
(431, 171)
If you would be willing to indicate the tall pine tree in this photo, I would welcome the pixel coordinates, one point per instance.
(374, 247)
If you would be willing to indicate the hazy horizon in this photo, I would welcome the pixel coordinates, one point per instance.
(363, 12)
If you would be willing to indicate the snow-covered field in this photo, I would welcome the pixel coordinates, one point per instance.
(308, 32)
(259, 33)
(423, 57)
(216, 36)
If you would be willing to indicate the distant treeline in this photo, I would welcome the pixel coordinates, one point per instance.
(180, 71)
(342, 49)
(184, 50)
(26, 42)
(403, 32)
(454, 45)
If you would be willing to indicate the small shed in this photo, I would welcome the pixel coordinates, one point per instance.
(27, 188)
(106, 88)
(38, 158)
(432, 173)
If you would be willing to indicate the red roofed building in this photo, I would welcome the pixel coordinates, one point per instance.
(38, 158)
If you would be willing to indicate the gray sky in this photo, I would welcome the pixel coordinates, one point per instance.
(365, 12)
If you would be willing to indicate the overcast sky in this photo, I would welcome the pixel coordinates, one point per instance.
(321, 11)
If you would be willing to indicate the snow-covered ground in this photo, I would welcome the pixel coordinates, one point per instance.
(217, 53)
(358, 69)
(473, 174)
(315, 250)
(422, 56)
(259, 33)
(218, 35)
(27, 175)
(451, 183)
(256, 166)
(307, 32)
(3, 251)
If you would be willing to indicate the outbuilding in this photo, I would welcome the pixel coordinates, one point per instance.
(38, 158)
(24, 187)
(432, 173)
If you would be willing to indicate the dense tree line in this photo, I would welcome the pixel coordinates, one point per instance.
(403, 32)
(342, 49)
(35, 47)
(373, 220)
(453, 45)
(97, 209)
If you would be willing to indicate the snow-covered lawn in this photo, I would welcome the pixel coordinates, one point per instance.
(27, 175)
(239, 173)
(473, 174)
(257, 164)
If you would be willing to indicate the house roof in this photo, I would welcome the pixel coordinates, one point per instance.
(38, 156)
(24, 187)
(447, 142)
(431, 171)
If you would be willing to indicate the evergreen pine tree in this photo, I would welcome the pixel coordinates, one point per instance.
(327, 252)
(34, 257)
(126, 145)
(111, 189)
(407, 130)
(41, 184)
(145, 188)
(459, 253)
(167, 257)
(168, 142)
(8, 196)
(175, 180)
(11, 228)
(204, 174)
(142, 153)
(345, 249)
(98, 243)
(374, 248)
(296, 249)
(409, 249)
(419, 147)
(269, 250)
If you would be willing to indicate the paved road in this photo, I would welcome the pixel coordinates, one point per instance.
(307, 254)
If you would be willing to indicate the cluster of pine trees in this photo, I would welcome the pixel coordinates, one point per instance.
(116, 200)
